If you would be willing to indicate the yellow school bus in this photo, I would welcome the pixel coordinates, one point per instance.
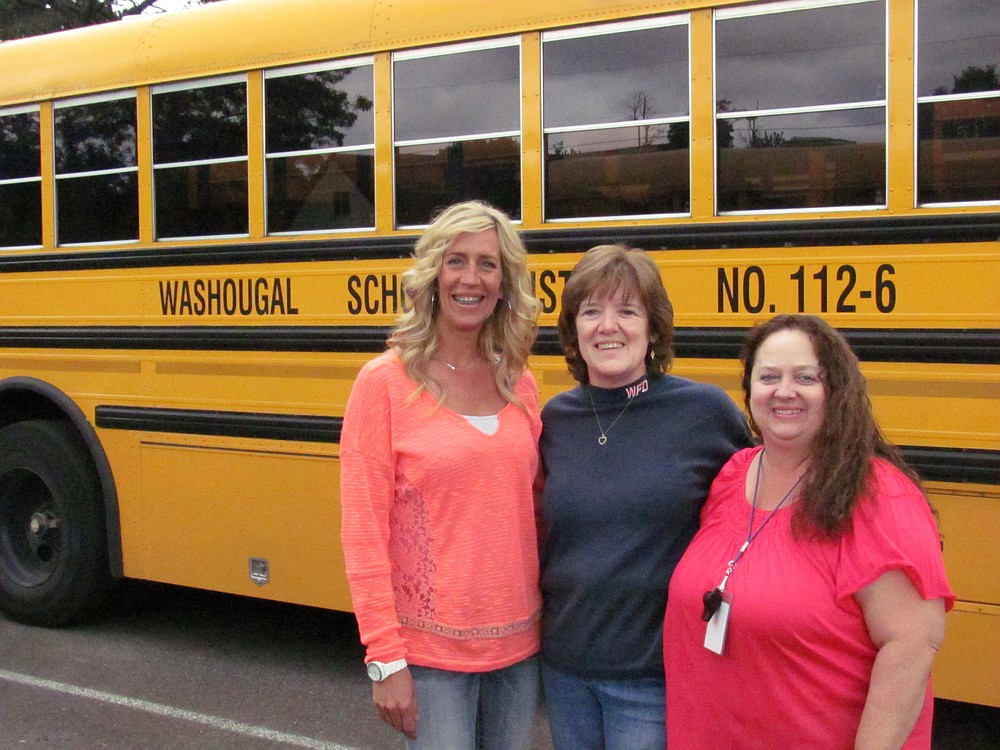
(204, 216)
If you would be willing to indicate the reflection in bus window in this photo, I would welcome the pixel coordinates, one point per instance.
(97, 189)
(20, 178)
(200, 159)
(801, 114)
(320, 143)
(617, 128)
(457, 136)
(958, 104)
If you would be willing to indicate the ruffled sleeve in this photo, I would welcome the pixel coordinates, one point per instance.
(893, 529)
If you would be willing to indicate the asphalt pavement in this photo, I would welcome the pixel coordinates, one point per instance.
(177, 669)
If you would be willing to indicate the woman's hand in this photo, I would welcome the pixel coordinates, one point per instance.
(907, 631)
(395, 699)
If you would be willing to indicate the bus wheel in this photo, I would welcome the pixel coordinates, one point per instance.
(53, 544)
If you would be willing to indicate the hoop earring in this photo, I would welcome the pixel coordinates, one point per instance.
(433, 299)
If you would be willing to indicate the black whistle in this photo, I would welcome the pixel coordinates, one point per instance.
(712, 601)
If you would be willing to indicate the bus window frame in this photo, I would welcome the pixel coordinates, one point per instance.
(305, 69)
(791, 6)
(27, 109)
(188, 85)
(918, 100)
(667, 20)
(516, 42)
(82, 101)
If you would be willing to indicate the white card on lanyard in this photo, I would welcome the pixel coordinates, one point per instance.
(715, 630)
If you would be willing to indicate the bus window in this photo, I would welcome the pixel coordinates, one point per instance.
(616, 120)
(457, 119)
(958, 104)
(200, 159)
(319, 130)
(20, 178)
(802, 115)
(97, 189)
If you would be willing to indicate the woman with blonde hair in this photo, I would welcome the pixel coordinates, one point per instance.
(439, 451)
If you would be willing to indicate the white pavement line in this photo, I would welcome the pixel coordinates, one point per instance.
(228, 725)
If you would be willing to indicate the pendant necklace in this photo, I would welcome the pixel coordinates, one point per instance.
(453, 368)
(604, 433)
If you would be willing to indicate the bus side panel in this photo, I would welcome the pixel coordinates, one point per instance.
(967, 666)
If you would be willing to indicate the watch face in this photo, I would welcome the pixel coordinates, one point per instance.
(374, 671)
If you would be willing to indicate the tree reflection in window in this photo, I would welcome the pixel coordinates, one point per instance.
(20, 179)
(319, 133)
(97, 192)
(200, 160)
(958, 104)
(801, 116)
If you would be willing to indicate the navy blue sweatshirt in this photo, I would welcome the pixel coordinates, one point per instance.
(617, 517)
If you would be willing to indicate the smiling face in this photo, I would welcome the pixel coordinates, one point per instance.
(787, 394)
(470, 282)
(613, 338)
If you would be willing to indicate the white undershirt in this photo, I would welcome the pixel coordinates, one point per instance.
(487, 425)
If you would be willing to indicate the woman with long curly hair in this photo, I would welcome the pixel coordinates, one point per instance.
(439, 452)
(809, 606)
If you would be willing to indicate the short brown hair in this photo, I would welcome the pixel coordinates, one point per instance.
(605, 270)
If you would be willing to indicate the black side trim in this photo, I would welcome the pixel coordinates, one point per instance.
(966, 465)
(875, 230)
(304, 428)
(933, 464)
(884, 230)
(201, 338)
(947, 346)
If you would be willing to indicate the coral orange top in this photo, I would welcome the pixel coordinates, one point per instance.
(439, 525)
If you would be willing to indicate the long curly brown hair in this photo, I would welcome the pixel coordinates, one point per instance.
(839, 472)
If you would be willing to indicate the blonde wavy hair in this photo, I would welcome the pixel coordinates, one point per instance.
(507, 335)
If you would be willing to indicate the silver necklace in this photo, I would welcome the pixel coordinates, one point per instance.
(453, 368)
(604, 433)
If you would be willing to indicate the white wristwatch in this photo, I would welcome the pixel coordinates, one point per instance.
(378, 670)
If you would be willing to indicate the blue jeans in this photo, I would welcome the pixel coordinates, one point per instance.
(605, 714)
(476, 710)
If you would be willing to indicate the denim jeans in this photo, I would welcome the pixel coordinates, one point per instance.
(476, 710)
(605, 714)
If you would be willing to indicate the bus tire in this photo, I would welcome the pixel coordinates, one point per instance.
(53, 543)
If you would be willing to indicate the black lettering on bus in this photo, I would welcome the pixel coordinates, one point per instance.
(199, 297)
(290, 308)
(371, 286)
(545, 280)
(753, 272)
(727, 291)
(277, 298)
(749, 293)
(168, 297)
(354, 303)
(390, 291)
(229, 297)
(843, 306)
(260, 297)
(246, 300)
(214, 297)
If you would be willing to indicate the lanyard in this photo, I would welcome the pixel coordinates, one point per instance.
(712, 599)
